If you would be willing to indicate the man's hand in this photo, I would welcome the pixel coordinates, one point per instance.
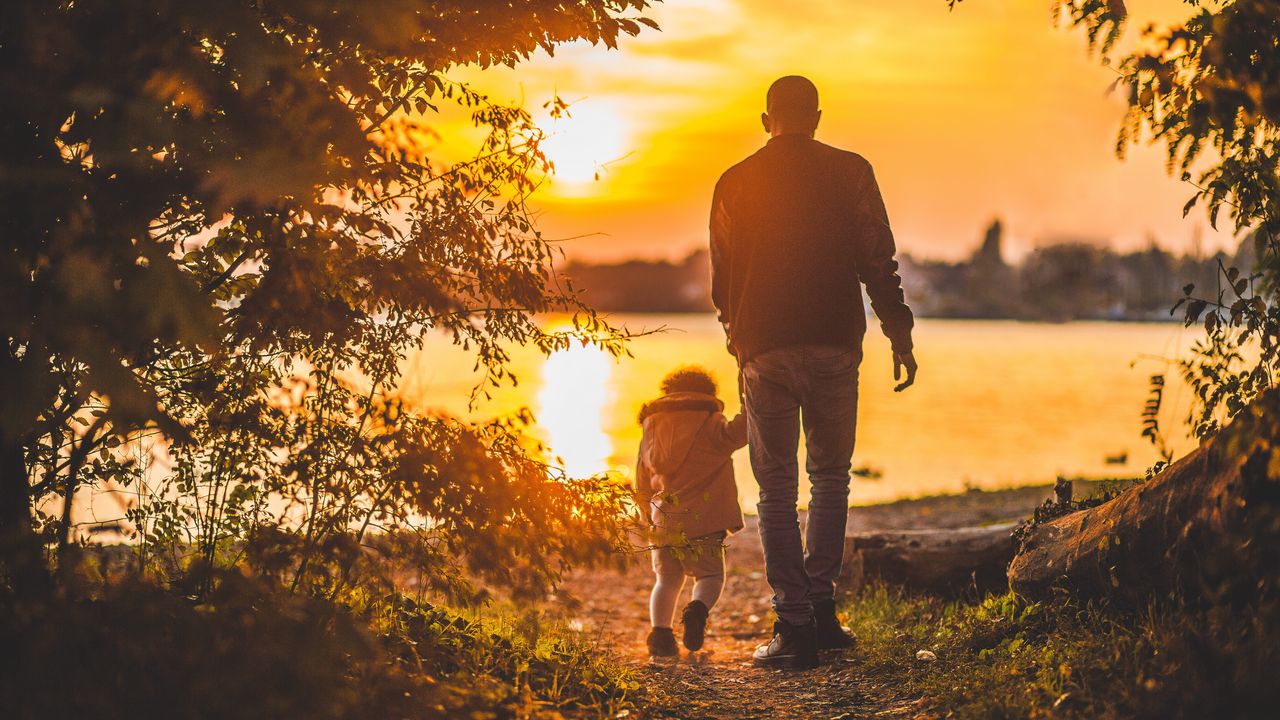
(908, 361)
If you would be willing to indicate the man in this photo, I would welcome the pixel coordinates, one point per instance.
(794, 229)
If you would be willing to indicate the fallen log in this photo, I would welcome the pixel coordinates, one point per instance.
(936, 561)
(1206, 527)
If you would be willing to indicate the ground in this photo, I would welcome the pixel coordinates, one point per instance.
(720, 683)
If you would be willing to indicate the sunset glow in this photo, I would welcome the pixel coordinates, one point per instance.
(988, 110)
(575, 393)
(580, 145)
(640, 359)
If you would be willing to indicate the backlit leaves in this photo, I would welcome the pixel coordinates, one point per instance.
(1209, 90)
(223, 223)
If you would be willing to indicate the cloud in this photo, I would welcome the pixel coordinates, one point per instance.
(987, 110)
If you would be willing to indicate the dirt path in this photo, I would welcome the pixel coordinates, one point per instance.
(720, 683)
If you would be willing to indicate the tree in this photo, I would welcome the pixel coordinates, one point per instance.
(1204, 531)
(1068, 281)
(207, 205)
(1213, 83)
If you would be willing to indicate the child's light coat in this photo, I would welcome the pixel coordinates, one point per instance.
(684, 475)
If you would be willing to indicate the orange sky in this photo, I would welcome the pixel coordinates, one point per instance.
(988, 110)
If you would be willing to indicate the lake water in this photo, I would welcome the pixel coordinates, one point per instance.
(996, 403)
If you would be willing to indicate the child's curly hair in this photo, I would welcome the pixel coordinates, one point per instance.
(690, 378)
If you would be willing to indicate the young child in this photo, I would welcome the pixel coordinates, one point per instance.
(685, 485)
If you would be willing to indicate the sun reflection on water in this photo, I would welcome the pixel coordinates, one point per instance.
(571, 408)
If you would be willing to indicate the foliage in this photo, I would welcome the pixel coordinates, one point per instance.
(250, 650)
(1151, 423)
(225, 229)
(1066, 281)
(1209, 90)
(649, 286)
(1238, 358)
(1005, 657)
(540, 662)
(1062, 503)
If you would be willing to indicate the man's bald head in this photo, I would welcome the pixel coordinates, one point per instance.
(791, 106)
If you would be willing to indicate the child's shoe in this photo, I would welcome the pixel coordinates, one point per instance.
(694, 619)
(662, 644)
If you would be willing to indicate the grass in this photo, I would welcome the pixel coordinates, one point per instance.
(532, 665)
(252, 650)
(1005, 657)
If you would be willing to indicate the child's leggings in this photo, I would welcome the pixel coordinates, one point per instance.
(702, 558)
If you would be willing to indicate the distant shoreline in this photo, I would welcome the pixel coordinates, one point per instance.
(973, 508)
(1065, 280)
(1160, 319)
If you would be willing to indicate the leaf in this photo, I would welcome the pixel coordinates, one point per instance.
(1194, 310)
(1186, 209)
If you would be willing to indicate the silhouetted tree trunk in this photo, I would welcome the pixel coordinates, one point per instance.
(14, 510)
(20, 557)
(1207, 528)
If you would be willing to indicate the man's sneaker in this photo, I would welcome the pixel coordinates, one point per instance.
(694, 619)
(793, 646)
(830, 635)
(662, 643)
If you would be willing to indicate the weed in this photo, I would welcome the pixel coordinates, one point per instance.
(250, 649)
(1006, 657)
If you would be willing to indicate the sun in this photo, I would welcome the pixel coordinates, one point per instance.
(581, 143)
(576, 392)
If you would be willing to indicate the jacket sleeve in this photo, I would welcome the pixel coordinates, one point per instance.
(877, 268)
(730, 435)
(644, 490)
(720, 253)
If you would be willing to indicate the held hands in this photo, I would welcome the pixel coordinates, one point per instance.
(900, 361)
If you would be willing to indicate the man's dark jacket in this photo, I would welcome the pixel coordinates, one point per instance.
(794, 229)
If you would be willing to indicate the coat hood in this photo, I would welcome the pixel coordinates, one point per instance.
(671, 423)
(681, 401)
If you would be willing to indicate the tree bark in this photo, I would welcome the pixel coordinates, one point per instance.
(945, 562)
(21, 559)
(1204, 528)
(15, 510)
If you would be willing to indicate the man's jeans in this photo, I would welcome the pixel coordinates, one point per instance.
(818, 385)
